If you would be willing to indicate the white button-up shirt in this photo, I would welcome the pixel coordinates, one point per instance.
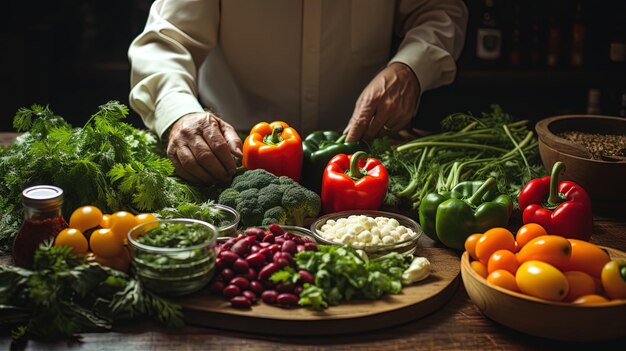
(304, 62)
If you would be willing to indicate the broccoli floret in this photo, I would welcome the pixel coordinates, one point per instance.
(275, 214)
(253, 179)
(300, 203)
(262, 198)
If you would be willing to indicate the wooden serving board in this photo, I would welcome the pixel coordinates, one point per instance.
(413, 302)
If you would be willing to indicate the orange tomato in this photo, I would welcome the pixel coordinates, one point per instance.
(503, 279)
(120, 262)
(145, 218)
(73, 238)
(106, 221)
(493, 240)
(104, 242)
(590, 299)
(542, 280)
(528, 232)
(121, 223)
(470, 244)
(503, 259)
(580, 284)
(85, 217)
(479, 268)
(587, 257)
(552, 249)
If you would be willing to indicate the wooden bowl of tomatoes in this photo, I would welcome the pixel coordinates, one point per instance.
(523, 289)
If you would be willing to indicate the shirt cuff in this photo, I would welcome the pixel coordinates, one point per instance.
(172, 107)
(432, 65)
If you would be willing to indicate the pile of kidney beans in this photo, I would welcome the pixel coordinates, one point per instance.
(245, 263)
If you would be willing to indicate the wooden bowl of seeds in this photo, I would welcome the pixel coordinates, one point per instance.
(593, 149)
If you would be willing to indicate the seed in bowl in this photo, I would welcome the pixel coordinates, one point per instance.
(362, 230)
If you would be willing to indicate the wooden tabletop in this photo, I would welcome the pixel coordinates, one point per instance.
(459, 325)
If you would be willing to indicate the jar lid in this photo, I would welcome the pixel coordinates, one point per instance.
(42, 196)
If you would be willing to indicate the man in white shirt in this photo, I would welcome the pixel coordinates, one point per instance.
(304, 62)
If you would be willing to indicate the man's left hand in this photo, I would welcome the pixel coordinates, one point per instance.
(387, 103)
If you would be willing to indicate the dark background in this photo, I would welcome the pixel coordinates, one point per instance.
(71, 55)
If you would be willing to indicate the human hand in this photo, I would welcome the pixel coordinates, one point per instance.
(387, 103)
(201, 147)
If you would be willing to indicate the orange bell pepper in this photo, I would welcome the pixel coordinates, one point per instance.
(274, 147)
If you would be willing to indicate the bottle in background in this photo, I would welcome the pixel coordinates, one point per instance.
(593, 101)
(535, 42)
(489, 34)
(578, 36)
(515, 43)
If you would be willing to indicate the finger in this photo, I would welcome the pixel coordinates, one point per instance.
(190, 165)
(359, 122)
(207, 160)
(181, 172)
(377, 123)
(221, 150)
(231, 136)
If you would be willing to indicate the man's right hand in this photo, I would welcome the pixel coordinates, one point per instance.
(201, 147)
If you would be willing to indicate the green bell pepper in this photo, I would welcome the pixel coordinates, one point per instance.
(470, 207)
(319, 147)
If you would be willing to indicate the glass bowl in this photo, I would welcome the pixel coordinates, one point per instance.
(404, 247)
(227, 226)
(178, 269)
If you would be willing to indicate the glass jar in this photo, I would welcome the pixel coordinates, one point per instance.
(43, 220)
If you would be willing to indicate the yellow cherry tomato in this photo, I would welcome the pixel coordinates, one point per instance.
(121, 223)
(479, 268)
(590, 299)
(503, 259)
(145, 218)
(104, 242)
(503, 279)
(73, 238)
(614, 279)
(85, 217)
(493, 240)
(587, 257)
(528, 232)
(580, 284)
(106, 221)
(552, 249)
(470, 244)
(542, 280)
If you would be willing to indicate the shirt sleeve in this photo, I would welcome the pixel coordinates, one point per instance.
(433, 35)
(165, 58)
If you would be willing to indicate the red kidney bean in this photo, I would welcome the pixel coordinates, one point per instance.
(274, 248)
(241, 282)
(310, 246)
(266, 272)
(239, 237)
(306, 276)
(289, 257)
(284, 288)
(300, 248)
(241, 266)
(305, 239)
(249, 295)
(258, 232)
(228, 257)
(287, 299)
(251, 275)
(231, 291)
(269, 238)
(227, 274)
(279, 240)
(256, 287)
(240, 302)
(289, 246)
(282, 262)
(297, 290)
(217, 287)
(266, 252)
(256, 259)
(269, 296)
(264, 244)
(219, 263)
(241, 248)
(288, 236)
(276, 229)
(298, 240)
(251, 239)
(255, 248)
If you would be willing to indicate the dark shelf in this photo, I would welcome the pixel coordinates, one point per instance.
(577, 78)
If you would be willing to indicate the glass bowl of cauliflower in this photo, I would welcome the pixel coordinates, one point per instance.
(375, 232)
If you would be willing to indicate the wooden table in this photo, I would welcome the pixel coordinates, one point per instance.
(458, 325)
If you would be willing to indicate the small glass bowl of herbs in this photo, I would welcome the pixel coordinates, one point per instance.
(173, 257)
(225, 218)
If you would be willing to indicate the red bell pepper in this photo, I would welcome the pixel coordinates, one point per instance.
(353, 182)
(565, 212)
(275, 147)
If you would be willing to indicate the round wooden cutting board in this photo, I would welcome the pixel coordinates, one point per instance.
(413, 302)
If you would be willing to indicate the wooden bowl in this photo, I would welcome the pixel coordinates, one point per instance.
(604, 180)
(553, 320)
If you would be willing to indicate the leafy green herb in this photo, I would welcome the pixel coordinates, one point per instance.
(175, 235)
(64, 295)
(205, 211)
(341, 274)
(106, 163)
